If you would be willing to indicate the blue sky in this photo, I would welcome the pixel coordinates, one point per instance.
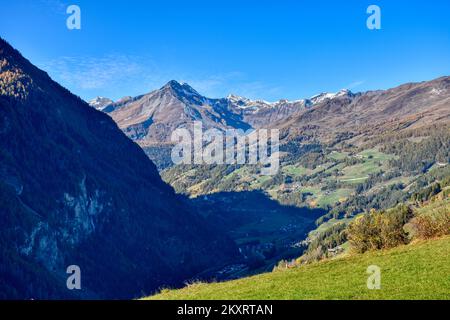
(259, 49)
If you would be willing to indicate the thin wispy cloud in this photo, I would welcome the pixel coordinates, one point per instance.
(117, 75)
(235, 82)
(257, 90)
(111, 75)
(355, 84)
(94, 73)
(55, 6)
(213, 85)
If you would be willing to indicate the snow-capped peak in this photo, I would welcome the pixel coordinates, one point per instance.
(328, 96)
(100, 103)
(254, 105)
(236, 98)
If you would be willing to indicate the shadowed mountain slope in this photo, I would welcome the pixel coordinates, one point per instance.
(74, 190)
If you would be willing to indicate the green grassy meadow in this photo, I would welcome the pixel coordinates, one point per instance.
(420, 270)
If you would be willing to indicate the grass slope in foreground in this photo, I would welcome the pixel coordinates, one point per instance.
(417, 271)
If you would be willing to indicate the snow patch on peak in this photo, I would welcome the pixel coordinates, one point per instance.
(100, 103)
(329, 96)
(436, 91)
(236, 98)
(254, 106)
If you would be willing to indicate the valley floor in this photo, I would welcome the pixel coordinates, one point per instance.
(417, 271)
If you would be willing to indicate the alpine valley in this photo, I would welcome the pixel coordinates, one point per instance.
(342, 154)
(93, 184)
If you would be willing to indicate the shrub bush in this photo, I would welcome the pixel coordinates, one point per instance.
(433, 224)
(379, 229)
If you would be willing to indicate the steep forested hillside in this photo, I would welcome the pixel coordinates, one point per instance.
(74, 190)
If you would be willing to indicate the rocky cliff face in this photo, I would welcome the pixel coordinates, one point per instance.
(75, 190)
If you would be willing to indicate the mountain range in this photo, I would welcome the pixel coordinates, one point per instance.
(363, 116)
(150, 118)
(328, 117)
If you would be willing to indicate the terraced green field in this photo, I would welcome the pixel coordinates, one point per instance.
(296, 170)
